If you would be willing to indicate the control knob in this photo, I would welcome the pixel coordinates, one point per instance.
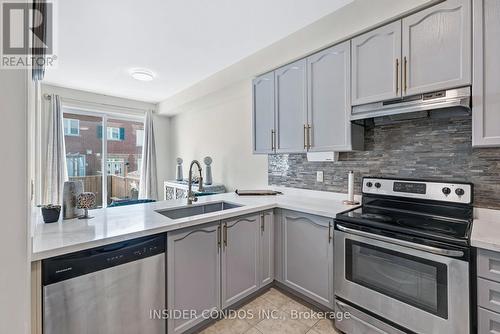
(377, 185)
(446, 191)
(369, 184)
(459, 192)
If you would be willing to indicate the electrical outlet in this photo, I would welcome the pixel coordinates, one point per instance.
(319, 176)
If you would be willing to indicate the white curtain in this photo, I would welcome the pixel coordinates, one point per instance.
(56, 172)
(148, 184)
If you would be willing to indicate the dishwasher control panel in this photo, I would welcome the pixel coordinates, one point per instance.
(67, 266)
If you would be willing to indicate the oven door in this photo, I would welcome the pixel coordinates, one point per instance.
(411, 285)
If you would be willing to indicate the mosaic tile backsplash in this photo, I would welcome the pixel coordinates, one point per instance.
(427, 148)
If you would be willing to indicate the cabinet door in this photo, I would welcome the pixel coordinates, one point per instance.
(329, 107)
(486, 85)
(240, 258)
(263, 113)
(376, 65)
(437, 48)
(291, 111)
(266, 248)
(193, 273)
(308, 255)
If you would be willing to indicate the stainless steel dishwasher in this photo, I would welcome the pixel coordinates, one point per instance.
(106, 290)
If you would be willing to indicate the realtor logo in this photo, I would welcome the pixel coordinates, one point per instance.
(27, 34)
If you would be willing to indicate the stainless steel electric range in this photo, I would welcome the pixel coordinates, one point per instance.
(402, 259)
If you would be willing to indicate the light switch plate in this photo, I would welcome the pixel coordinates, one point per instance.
(319, 176)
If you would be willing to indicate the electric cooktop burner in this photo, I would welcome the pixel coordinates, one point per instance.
(429, 214)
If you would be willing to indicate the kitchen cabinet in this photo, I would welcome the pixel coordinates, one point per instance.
(264, 134)
(329, 108)
(437, 48)
(266, 247)
(376, 65)
(240, 258)
(488, 291)
(215, 265)
(291, 98)
(308, 255)
(193, 273)
(486, 71)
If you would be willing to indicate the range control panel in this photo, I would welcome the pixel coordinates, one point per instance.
(437, 191)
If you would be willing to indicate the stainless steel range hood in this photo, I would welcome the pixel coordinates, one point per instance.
(459, 97)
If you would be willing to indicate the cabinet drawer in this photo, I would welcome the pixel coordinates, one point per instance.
(488, 294)
(488, 265)
(488, 322)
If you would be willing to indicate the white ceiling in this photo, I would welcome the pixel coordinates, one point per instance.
(182, 41)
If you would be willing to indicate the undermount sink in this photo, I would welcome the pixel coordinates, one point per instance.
(197, 209)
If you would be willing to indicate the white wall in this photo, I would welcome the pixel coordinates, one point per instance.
(219, 126)
(14, 202)
(213, 117)
(161, 122)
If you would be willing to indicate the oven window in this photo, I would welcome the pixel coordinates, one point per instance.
(415, 281)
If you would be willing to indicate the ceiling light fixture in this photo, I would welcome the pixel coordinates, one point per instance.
(142, 74)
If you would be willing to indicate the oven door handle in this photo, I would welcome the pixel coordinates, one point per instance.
(425, 248)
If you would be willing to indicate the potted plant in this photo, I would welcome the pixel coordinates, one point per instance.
(51, 213)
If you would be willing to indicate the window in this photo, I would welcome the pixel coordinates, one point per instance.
(116, 166)
(115, 133)
(71, 127)
(108, 167)
(76, 164)
(139, 138)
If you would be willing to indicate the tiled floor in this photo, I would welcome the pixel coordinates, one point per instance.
(255, 318)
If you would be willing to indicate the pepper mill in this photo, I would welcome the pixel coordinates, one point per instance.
(178, 174)
(208, 170)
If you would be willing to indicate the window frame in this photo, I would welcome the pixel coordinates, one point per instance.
(70, 127)
(104, 114)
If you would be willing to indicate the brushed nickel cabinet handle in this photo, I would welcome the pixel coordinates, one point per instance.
(272, 139)
(405, 73)
(397, 76)
(309, 137)
(218, 238)
(225, 234)
(262, 217)
(305, 136)
(329, 232)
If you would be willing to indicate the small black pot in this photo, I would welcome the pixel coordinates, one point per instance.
(51, 214)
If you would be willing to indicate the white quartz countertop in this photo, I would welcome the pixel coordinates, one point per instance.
(486, 229)
(127, 222)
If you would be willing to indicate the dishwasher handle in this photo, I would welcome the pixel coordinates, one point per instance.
(68, 266)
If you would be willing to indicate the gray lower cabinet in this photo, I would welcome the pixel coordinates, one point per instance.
(486, 71)
(240, 258)
(266, 248)
(193, 274)
(308, 255)
(437, 48)
(264, 135)
(215, 265)
(376, 65)
(291, 98)
(488, 322)
(329, 102)
(488, 291)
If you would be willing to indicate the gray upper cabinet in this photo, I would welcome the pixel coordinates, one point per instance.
(308, 255)
(329, 107)
(240, 258)
(192, 254)
(266, 248)
(290, 88)
(437, 48)
(263, 113)
(486, 69)
(376, 65)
